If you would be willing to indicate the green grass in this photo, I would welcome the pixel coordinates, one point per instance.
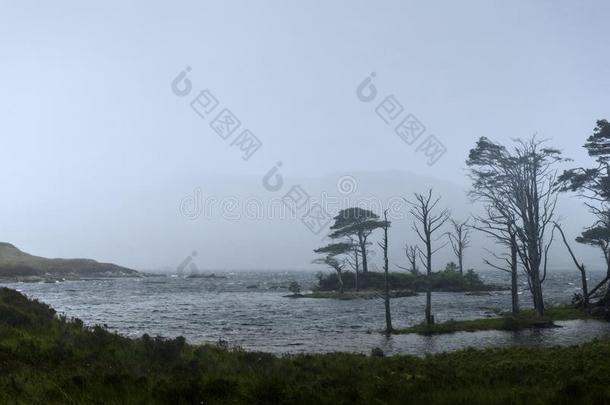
(525, 319)
(46, 360)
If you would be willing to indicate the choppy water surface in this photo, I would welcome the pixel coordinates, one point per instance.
(250, 310)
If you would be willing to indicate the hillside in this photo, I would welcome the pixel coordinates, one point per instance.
(16, 264)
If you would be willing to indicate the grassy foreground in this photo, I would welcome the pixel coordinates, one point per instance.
(525, 319)
(44, 359)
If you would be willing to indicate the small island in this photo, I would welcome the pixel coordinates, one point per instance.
(401, 284)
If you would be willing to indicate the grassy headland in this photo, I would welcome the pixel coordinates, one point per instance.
(51, 360)
(16, 265)
(524, 320)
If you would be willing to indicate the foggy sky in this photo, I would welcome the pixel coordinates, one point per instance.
(98, 152)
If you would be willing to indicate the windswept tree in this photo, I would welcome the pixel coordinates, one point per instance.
(598, 236)
(593, 185)
(386, 282)
(500, 226)
(331, 253)
(427, 222)
(459, 237)
(524, 182)
(357, 223)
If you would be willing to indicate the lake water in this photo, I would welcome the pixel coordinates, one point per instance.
(249, 310)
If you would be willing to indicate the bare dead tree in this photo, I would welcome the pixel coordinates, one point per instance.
(425, 225)
(412, 252)
(459, 238)
(386, 296)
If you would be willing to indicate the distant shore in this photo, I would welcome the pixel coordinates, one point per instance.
(54, 278)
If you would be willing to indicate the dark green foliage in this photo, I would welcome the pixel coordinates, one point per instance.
(446, 280)
(351, 219)
(294, 288)
(451, 266)
(596, 236)
(598, 144)
(593, 182)
(356, 224)
(377, 352)
(334, 249)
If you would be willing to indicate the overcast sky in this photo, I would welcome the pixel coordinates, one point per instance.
(98, 151)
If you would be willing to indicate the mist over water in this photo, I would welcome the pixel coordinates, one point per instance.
(259, 201)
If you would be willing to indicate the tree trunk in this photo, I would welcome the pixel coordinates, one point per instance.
(598, 286)
(429, 317)
(585, 290)
(460, 262)
(513, 275)
(605, 301)
(340, 277)
(388, 314)
(537, 292)
(362, 241)
(357, 268)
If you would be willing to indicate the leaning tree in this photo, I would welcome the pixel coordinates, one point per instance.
(581, 267)
(356, 223)
(598, 236)
(330, 258)
(593, 185)
(522, 182)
